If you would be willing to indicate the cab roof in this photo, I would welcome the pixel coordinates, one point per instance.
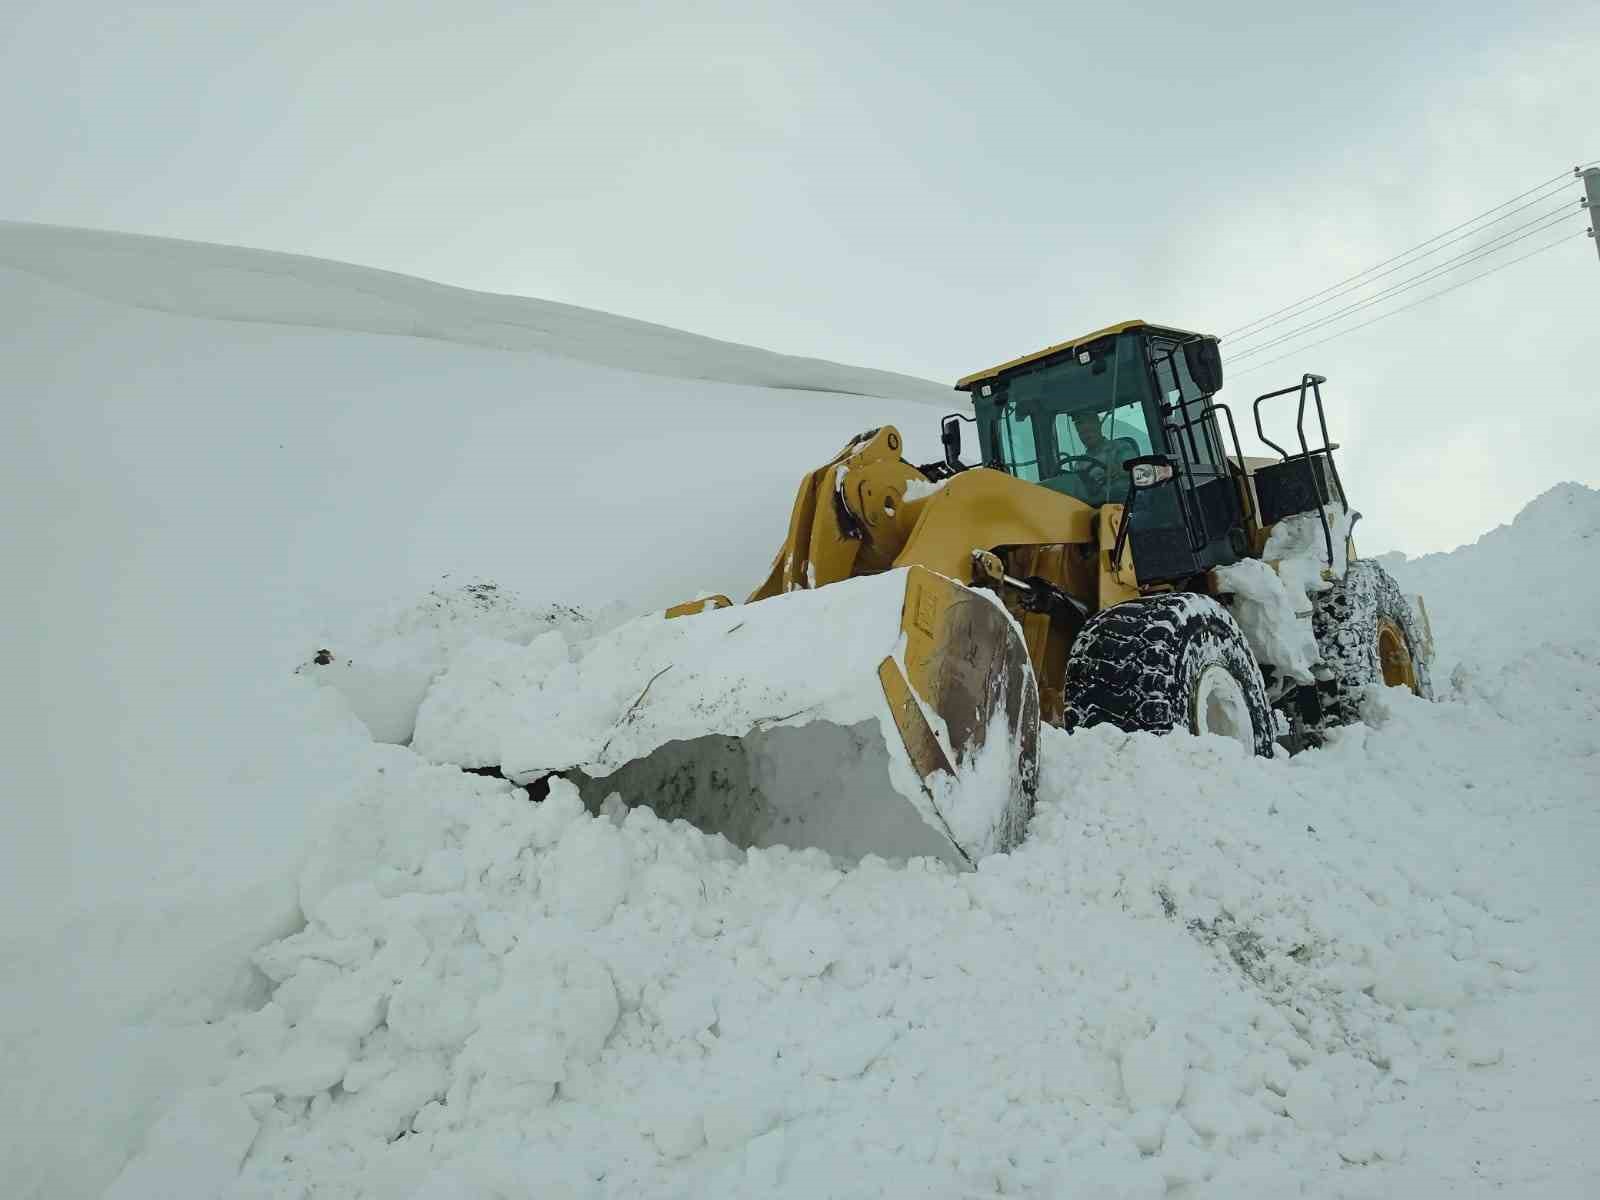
(968, 382)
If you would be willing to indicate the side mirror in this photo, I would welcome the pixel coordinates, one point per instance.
(1150, 470)
(1204, 359)
(950, 437)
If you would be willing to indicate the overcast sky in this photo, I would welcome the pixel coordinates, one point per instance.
(923, 187)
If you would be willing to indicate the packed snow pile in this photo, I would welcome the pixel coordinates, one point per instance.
(1518, 585)
(385, 682)
(1204, 974)
(781, 731)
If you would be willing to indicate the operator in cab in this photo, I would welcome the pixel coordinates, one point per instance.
(1108, 453)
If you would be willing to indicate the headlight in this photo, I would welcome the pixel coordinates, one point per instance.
(1149, 474)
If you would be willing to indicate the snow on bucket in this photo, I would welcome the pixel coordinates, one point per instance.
(894, 714)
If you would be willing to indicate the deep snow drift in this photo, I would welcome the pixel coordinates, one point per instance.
(1204, 974)
(302, 962)
(1508, 592)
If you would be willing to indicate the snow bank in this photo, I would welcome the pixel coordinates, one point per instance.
(1203, 969)
(219, 463)
(1517, 586)
(261, 287)
(208, 497)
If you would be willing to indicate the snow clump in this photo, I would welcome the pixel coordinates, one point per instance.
(1203, 970)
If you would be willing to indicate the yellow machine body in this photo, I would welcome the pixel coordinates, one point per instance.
(993, 579)
(971, 666)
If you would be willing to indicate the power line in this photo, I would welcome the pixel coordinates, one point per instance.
(1547, 220)
(1563, 176)
(1340, 291)
(1421, 300)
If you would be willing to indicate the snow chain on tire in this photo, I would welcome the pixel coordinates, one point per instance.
(1138, 666)
(1346, 619)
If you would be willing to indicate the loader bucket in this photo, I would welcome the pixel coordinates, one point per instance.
(894, 714)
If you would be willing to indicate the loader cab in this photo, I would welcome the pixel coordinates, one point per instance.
(1069, 417)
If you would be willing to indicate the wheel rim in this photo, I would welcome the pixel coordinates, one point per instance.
(1394, 660)
(1220, 707)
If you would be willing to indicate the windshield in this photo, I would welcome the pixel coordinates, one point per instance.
(1072, 424)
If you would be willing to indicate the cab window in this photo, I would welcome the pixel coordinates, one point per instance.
(1018, 446)
(1127, 423)
(1071, 423)
(1193, 438)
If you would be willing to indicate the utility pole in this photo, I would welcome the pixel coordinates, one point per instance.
(1591, 185)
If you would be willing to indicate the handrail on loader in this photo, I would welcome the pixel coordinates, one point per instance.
(1312, 385)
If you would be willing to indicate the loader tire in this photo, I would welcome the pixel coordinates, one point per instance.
(1366, 633)
(1160, 663)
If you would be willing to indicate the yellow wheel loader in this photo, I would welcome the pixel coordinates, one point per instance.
(1114, 559)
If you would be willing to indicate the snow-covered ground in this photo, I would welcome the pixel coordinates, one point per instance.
(250, 951)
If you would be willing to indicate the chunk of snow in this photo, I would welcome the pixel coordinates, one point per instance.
(921, 489)
(1301, 540)
(1275, 617)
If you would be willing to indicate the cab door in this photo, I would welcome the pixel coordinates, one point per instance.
(1197, 522)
